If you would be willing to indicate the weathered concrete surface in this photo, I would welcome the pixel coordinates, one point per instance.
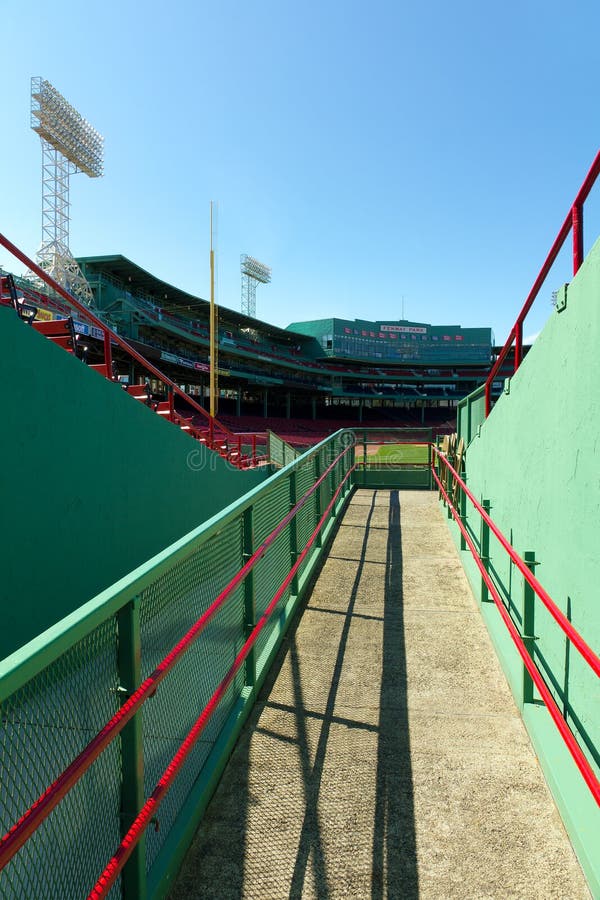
(386, 757)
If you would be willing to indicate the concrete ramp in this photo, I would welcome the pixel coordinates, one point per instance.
(385, 757)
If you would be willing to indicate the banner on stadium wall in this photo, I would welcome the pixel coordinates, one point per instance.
(186, 363)
(89, 330)
(405, 329)
(44, 315)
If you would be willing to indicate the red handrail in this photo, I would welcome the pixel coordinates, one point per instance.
(148, 810)
(586, 651)
(111, 336)
(22, 830)
(574, 221)
(567, 735)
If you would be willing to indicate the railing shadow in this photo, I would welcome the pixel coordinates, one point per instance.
(391, 835)
(394, 841)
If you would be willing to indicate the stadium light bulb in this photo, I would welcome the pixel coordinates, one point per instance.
(58, 123)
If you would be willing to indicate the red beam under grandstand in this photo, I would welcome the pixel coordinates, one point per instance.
(112, 337)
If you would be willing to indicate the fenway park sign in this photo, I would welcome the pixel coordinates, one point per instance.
(404, 329)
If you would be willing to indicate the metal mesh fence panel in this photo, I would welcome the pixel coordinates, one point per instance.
(44, 726)
(270, 572)
(168, 609)
(306, 519)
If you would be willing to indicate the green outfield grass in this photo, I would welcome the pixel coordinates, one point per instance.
(408, 454)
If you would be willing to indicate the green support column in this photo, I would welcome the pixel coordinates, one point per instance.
(265, 403)
(313, 407)
(293, 532)
(318, 504)
(288, 405)
(462, 508)
(528, 625)
(249, 597)
(360, 411)
(484, 550)
(364, 458)
(132, 749)
(238, 402)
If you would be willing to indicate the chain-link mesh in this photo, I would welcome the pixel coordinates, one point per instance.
(270, 572)
(54, 716)
(45, 725)
(306, 520)
(168, 609)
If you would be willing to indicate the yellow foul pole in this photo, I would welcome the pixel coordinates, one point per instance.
(214, 333)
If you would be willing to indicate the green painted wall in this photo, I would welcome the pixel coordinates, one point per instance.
(537, 459)
(93, 483)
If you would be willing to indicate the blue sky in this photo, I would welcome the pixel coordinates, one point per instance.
(366, 152)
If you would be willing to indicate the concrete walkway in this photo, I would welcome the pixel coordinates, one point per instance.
(386, 757)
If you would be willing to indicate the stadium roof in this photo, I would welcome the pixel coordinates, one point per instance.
(166, 295)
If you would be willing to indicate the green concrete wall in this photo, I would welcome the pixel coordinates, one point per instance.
(537, 459)
(93, 483)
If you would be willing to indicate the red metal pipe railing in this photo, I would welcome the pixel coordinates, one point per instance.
(574, 222)
(586, 651)
(112, 337)
(14, 839)
(148, 810)
(573, 747)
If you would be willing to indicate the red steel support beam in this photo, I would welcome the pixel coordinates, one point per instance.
(568, 223)
(109, 335)
(577, 222)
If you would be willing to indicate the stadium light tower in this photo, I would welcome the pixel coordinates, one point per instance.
(253, 273)
(69, 145)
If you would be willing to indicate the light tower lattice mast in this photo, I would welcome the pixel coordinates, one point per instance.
(69, 145)
(253, 273)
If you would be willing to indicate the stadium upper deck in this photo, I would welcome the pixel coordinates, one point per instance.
(310, 369)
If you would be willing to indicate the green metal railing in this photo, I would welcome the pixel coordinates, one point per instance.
(393, 458)
(59, 692)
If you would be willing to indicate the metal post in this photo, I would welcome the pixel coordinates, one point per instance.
(249, 596)
(484, 550)
(463, 513)
(364, 458)
(528, 625)
(430, 463)
(518, 344)
(132, 747)
(577, 223)
(488, 397)
(107, 354)
(171, 397)
(293, 532)
(318, 504)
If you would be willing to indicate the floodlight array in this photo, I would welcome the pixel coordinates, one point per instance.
(255, 269)
(58, 123)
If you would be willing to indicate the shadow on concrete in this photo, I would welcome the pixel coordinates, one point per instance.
(393, 845)
(394, 867)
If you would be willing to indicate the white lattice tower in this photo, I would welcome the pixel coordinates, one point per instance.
(253, 273)
(69, 145)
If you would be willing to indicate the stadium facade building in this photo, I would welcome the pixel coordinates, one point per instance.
(399, 341)
(329, 367)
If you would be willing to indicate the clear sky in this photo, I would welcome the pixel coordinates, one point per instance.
(367, 152)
